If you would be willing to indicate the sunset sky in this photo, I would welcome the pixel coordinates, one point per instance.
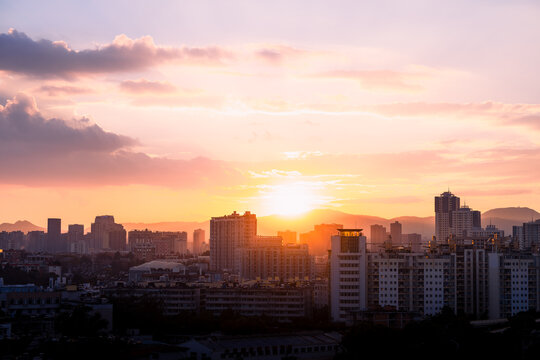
(169, 111)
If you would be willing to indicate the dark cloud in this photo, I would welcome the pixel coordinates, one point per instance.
(23, 128)
(38, 151)
(146, 86)
(45, 58)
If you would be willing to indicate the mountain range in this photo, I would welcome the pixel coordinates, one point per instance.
(503, 218)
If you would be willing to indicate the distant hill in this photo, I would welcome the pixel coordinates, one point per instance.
(21, 225)
(519, 214)
(505, 218)
(269, 225)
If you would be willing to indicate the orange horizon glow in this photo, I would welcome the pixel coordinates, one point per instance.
(174, 120)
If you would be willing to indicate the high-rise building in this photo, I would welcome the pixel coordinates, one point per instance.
(228, 235)
(106, 234)
(348, 280)
(531, 234)
(396, 232)
(54, 235)
(198, 239)
(445, 205)
(75, 233)
(378, 234)
(464, 220)
(288, 236)
(75, 239)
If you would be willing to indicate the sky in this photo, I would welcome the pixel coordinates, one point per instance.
(185, 110)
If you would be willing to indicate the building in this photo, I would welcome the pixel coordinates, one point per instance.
(445, 205)
(531, 235)
(269, 347)
(378, 235)
(164, 242)
(288, 236)
(13, 240)
(414, 241)
(28, 300)
(280, 303)
(318, 240)
(36, 241)
(198, 240)
(75, 239)
(107, 235)
(228, 235)
(269, 259)
(348, 281)
(54, 236)
(482, 277)
(513, 284)
(465, 220)
(396, 232)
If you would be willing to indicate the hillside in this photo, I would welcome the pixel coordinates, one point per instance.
(21, 225)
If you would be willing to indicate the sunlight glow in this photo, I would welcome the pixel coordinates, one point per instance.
(290, 200)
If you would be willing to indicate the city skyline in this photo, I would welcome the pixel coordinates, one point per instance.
(154, 116)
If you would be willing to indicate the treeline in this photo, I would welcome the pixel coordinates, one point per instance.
(445, 336)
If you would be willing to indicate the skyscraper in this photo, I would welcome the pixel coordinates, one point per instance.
(445, 205)
(228, 235)
(54, 235)
(198, 239)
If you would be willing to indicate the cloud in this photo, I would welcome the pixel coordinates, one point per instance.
(378, 79)
(145, 86)
(45, 58)
(54, 90)
(37, 151)
(24, 129)
(276, 54)
(501, 113)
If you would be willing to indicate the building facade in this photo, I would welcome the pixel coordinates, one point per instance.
(228, 236)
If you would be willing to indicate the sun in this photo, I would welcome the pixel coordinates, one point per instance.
(289, 200)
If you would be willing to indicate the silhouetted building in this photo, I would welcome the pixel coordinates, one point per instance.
(228, 235)
(106, 234)
(395, 232)
(198, 239)
(318, 240)
(54, 235)
(288, 236)
(35, 241)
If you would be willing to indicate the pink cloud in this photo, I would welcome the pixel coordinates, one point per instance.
(145, 86)
(379, 79)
